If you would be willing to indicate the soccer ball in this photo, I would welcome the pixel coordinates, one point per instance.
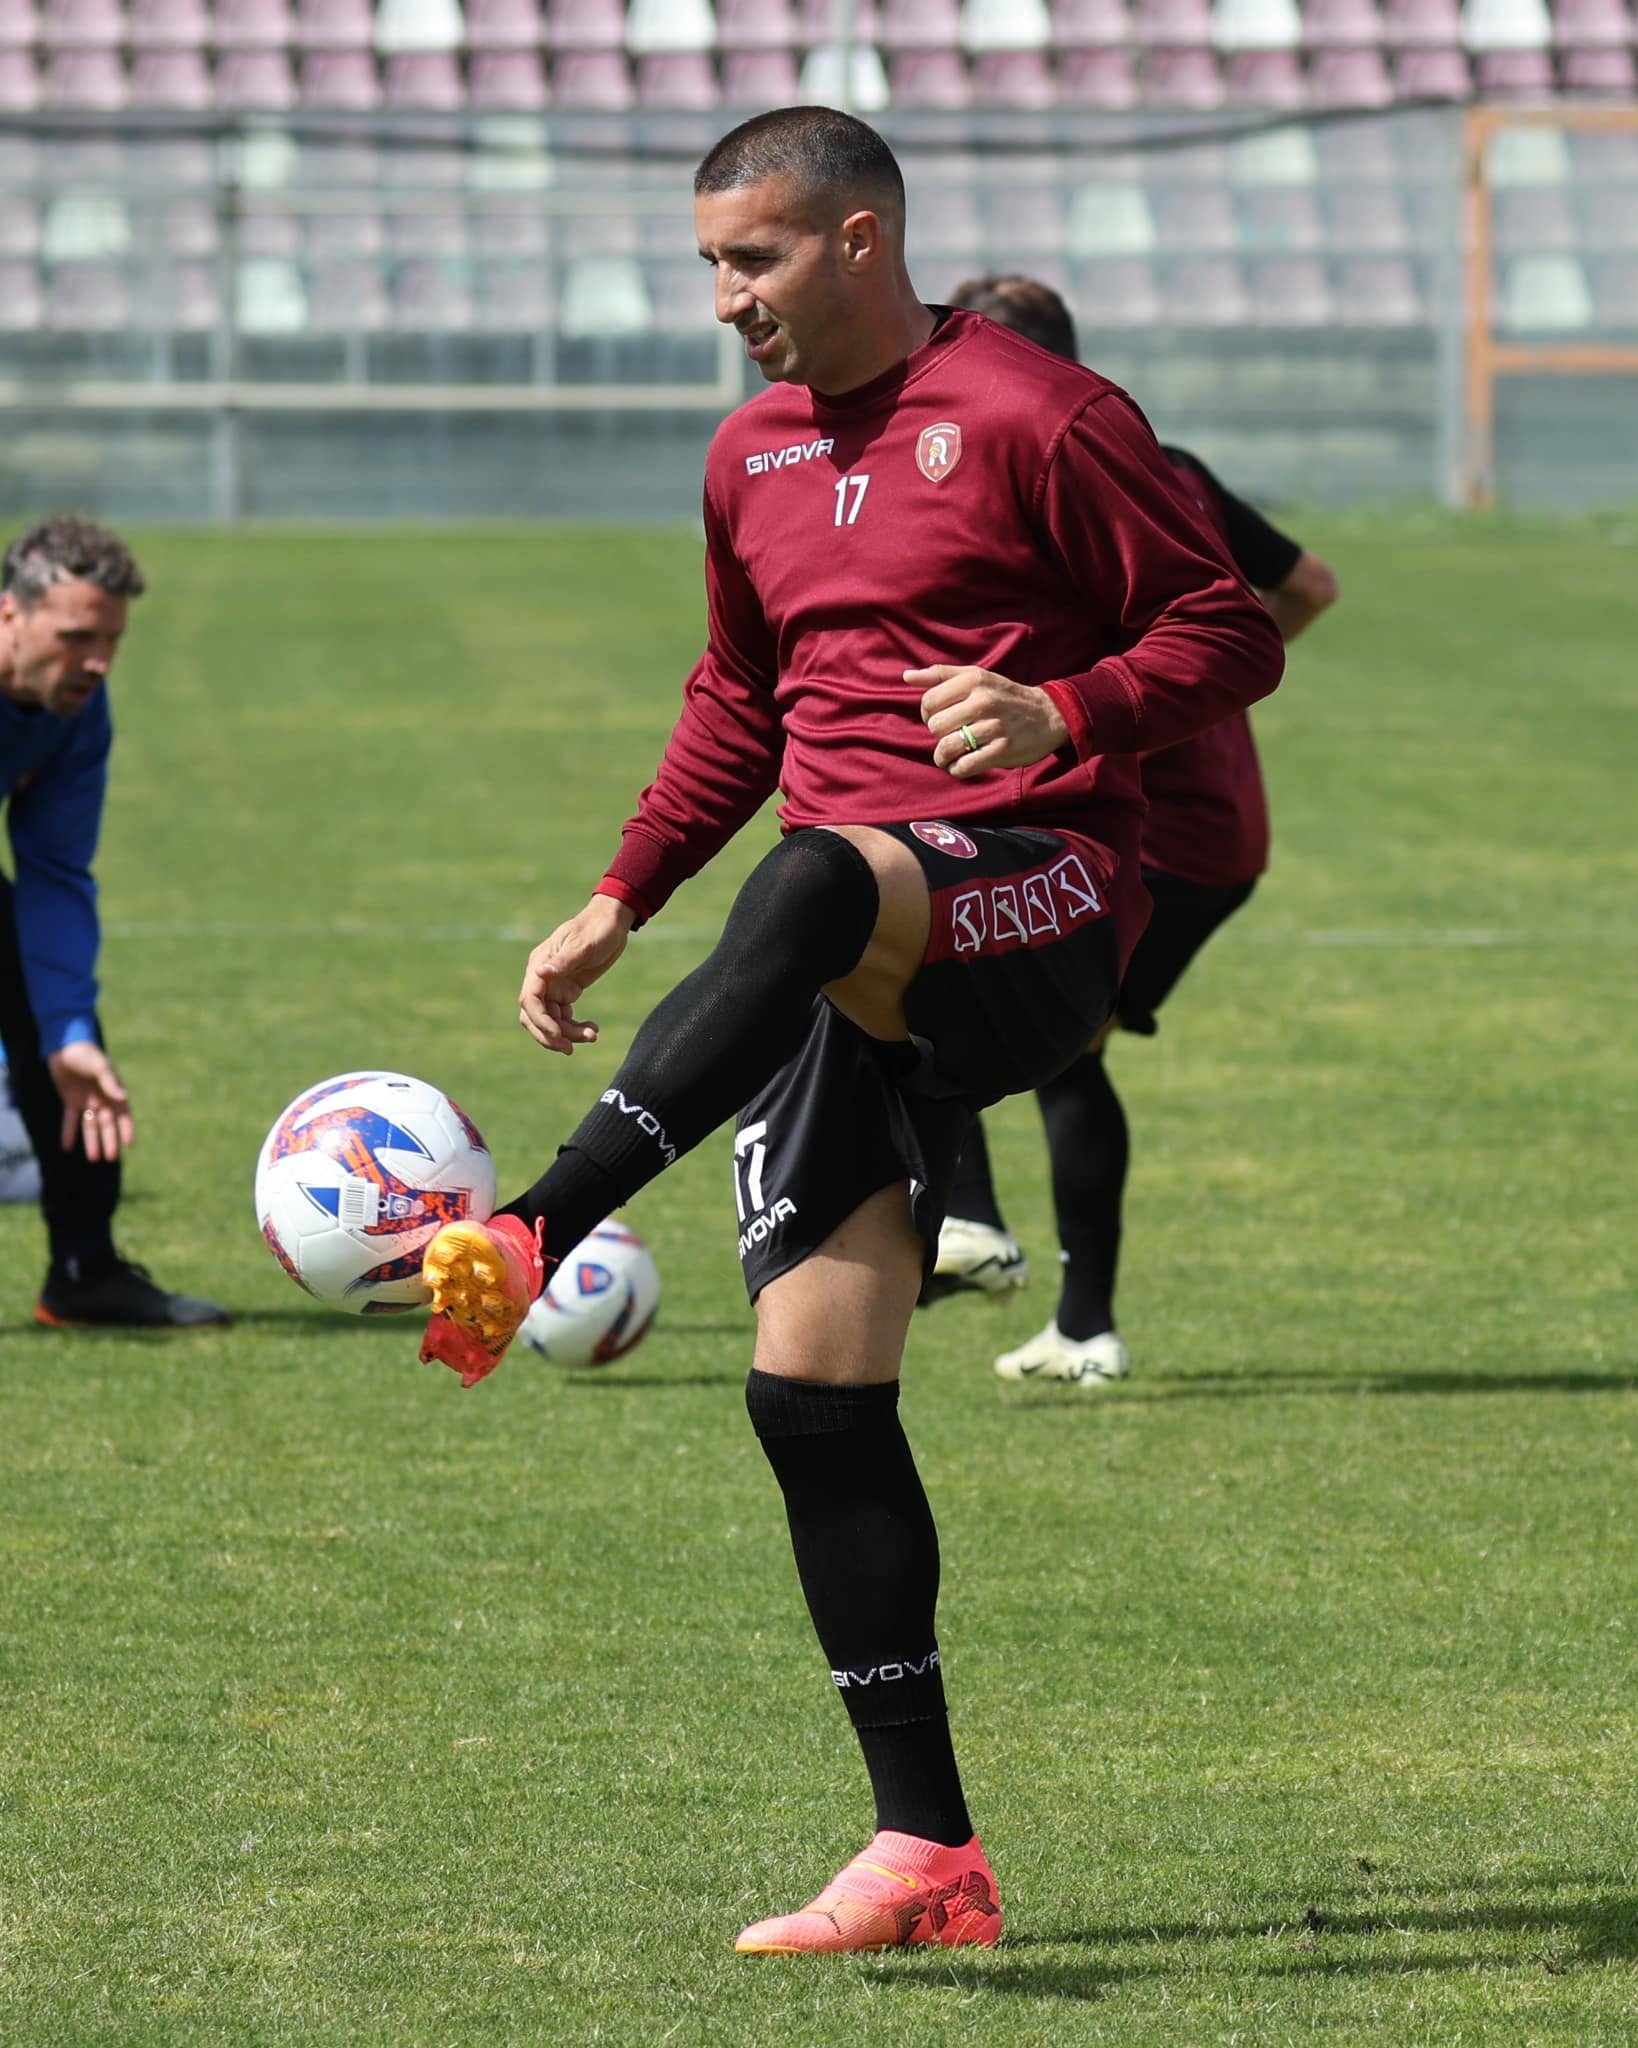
(357, 1176)
(600, 1301)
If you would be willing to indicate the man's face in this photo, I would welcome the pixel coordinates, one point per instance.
(781, 281)
(63, 649)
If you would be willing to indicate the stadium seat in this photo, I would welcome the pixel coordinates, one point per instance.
(1090, 24)
(88, 298)
(1349, 78)
(508, 234)
(1279, 218)
(81, 227)
(340, 237)
(168, 25)
(1265, 78)
(1369, 219)
(929, 78)
(1608, 218)
(252, 25)
(423, 81)
(177, 298)
(821, 79)
(344, 298)
(19, 229)
(511, 298)
(1005, 24)
(1593, 25)
(92, 79)
(1157, 24)
(1506, 24)
(334, 24)
(81, 25)
(413, 25)
(1430, 74)
(586, 24)
(595, 79)
(1600, 73)
(1406, 23)
(1281, 155)
(1097, 78)
(1543, 295)
(918, 24)
(19, 25)
(503, 25)
(506, 81)
(171, 78)
(1023, 215)
(758, 78)
(1377, 291)
(430, 298)
(1338, 23)
(19, 82)
(1206, 291)
(681, 297)
(1192, 218)
(340, 79)
(1528, 156)
(264, 232)
(1182, 78)
(1256, 25)
(269, 297)
(1616, 287)
(433, 233)
(1111, 218)
(22, 304)
(1532, 219)
(1290, 291)
(655, 26)
(682, 79)
(756, 25)
(1121, 293)
(1514, 74)
(253, 81)
(1013, 78)
(818, 21)
(605, 296)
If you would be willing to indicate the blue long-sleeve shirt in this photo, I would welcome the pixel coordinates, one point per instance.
(54, 772)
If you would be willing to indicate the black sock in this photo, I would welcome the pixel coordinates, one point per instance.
(867, 1555)
(1087, 1138)
(973, 1195)
(803, 918)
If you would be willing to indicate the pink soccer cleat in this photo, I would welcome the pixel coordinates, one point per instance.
(900, 1892)
(484, 1278)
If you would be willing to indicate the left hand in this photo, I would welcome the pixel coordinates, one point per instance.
(95, 1104)
(1015, 724)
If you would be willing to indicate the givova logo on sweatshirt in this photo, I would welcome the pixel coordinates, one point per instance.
(784, 458)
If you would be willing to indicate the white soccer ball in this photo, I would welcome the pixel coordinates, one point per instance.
(355, 1178)
(599, 1302)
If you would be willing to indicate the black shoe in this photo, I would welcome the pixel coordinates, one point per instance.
(119, 1295)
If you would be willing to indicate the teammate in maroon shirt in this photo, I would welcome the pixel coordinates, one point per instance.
(954, 590)
(1205, 842)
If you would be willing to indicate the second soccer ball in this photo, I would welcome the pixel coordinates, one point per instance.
(598, 1303)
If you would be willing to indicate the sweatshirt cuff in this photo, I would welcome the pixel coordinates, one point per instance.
(633, 899)
(67, 1028)
(1102, 709)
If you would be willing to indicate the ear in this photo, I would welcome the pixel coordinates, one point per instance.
(863, 240)
(10, 610)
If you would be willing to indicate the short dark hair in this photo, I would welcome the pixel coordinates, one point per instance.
(65, 549)
(827, 155)
(1024, 304)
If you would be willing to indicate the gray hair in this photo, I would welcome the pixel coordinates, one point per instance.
(65, 549)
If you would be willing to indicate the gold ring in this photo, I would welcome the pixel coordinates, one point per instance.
(88, 1116)
(972, 739)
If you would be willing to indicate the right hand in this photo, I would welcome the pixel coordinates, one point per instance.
(564, 966)
(96, 1107)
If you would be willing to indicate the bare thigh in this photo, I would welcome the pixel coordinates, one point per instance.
(873, 994)
(843, 1314)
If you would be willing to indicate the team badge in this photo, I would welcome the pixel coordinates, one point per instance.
(934, 832)
(938, 450)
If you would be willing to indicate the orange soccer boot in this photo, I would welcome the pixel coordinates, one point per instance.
(483, 1278)
(899, 1892)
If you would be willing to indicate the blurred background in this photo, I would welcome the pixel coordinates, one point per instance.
(349, 259)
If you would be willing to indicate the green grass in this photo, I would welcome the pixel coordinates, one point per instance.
(1294, 1681)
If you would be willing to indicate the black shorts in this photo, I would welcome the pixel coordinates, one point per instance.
(1184, 917)
(1020, 973)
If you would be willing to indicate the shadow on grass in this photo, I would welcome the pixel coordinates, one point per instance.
(1279, 1386)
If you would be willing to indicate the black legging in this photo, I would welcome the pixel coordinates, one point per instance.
(78, 1196)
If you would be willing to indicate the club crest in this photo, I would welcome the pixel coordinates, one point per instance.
(947, 838)
(938, 450)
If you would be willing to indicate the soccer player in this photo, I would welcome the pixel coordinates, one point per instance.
(1205, 842)
(953, 589)
(64, 591)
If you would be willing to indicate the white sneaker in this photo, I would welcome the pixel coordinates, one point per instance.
(974, 1256)
(1096, 1362)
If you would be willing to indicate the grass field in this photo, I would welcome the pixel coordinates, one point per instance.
(1294, 1680)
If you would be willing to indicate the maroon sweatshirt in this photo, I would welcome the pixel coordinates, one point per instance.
(982, 502)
